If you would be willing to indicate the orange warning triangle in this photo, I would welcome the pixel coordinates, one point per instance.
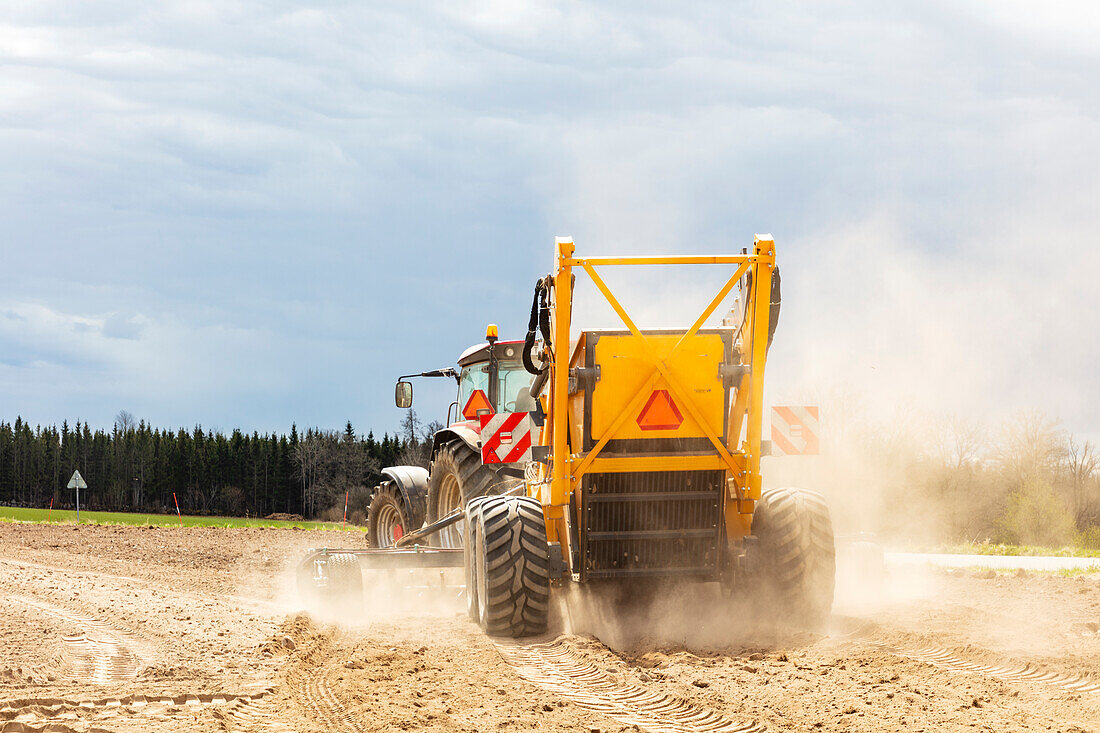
(478, 401)
(660, 412)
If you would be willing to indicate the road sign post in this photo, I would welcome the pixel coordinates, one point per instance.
(77, 482)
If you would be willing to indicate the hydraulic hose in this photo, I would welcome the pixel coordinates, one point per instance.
(540, 321)
(544, 310)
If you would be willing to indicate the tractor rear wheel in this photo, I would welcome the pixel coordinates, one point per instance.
(513, 567)
(387, 518)
(457, 476)
(796, 568)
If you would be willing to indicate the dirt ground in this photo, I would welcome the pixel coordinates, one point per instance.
(200, 629)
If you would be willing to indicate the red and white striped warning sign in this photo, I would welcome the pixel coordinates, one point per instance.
(506, 437)
(795, 431)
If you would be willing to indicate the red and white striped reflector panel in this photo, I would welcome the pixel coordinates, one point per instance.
(506, 437)
(795, 431)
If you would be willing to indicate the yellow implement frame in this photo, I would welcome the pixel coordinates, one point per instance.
(740, 462)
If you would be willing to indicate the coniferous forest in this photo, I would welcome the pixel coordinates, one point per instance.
(136, 467)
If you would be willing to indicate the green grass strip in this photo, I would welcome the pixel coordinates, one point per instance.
(64, 516)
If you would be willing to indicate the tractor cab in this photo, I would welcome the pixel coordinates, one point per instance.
(492, 378)
(494, 394)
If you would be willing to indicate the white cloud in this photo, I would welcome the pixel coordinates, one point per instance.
(314, 195)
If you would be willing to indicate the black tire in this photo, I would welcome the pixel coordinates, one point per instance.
(469, 554)
(796, 569)
(458, 475)
(513, 567)
(344, 583)
(388, 510)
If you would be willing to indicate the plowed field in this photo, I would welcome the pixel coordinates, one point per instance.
(200, 629)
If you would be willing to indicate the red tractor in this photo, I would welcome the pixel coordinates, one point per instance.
(491, 379)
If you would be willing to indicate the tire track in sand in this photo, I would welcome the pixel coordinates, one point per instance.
(247, 711)
(47, 709)
(955, 660)
(103, 655)
(313, 692)
(99, 654)
(945, 658)
(254, 714)
(553, 666)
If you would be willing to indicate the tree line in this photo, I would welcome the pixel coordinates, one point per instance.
(919, 478)
(136, 467)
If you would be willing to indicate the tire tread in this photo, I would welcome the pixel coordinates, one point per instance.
(512, 534)
(795, 534)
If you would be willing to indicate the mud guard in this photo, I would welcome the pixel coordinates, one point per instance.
(467, 435)
(412, 483)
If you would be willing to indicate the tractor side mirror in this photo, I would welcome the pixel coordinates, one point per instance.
(403, 394)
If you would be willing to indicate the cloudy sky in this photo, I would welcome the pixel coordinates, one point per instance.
(252, 214)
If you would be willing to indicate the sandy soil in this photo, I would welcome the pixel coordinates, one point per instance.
(136, 629)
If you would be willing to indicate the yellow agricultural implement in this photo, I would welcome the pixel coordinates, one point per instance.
(644, 463)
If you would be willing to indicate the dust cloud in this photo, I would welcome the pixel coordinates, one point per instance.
(918, 355)
(697, 617)
(934, 365)
(388, 595)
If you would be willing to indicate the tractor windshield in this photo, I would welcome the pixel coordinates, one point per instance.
(474, 377)
(513, 383)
